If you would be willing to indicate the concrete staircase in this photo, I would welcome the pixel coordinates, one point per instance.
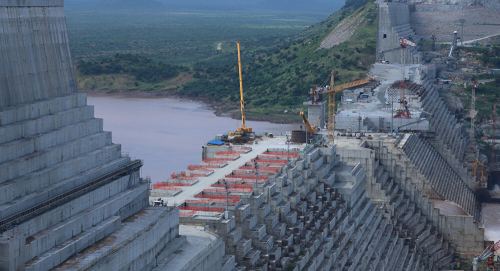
(441, 176)
(411, 223)
(448, 138)
(55, 154)
(411, 207)
(330, 224)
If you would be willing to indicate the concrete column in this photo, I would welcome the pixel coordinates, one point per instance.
(316, 110)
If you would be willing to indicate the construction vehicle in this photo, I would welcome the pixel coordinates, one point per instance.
(158, 202)
(311, 129)
(243, 129)
(487, 255)
(243, 133)
(476, 164)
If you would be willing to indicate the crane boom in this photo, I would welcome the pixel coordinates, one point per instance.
(408, 42)
(308, 125)
(487, 254)
(242, 100)
(243, 129)
(331, 100)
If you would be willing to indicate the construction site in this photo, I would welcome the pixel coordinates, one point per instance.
(387, 178)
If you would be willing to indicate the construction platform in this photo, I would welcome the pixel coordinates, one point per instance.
(221, 166)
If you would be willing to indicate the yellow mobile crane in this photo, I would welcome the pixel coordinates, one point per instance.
(311, 129)
(243, 132)
(243, 129)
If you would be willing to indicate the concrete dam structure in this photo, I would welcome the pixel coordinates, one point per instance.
(69, 199)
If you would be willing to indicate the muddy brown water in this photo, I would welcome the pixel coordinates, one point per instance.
(166, 133)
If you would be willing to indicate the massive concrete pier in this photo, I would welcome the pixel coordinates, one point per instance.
(64, 185)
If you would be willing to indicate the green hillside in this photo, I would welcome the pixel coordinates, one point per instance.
(275, 79)
(279, 80)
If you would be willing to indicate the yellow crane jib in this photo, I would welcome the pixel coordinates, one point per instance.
(243, 128)
(310, 129)
(331, 100)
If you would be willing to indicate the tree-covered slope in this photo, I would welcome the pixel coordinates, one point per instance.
(281, 78)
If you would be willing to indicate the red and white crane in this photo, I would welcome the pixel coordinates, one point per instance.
(403, 111)
(486, 255)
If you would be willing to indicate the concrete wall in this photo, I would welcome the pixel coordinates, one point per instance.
(34, 52)
(394, 23)
(209, 260)
(52, 148)
(486, 3)
(390, 15)
(139, 251)
(464, 235)
(372, 124)
(317, 111)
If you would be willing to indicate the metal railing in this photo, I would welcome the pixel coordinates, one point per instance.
(311, 146)
(38, 209)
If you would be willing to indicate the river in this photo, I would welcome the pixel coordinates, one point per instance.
(166, 133)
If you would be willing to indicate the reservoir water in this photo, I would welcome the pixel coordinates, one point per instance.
(166, 133)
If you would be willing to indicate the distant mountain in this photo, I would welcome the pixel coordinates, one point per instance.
(326, 6)
(329, 6)
(312, 5)
(79, 3)
(130, 4)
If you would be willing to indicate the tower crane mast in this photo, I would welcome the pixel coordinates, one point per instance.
(403, 111)
(493, 135)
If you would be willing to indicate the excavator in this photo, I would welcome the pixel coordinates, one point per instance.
(311, 129)
(243, 133)
(488, 255)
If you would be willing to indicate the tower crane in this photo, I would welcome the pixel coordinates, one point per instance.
(320, 90)
(493, 136)
(486, 255)
(403, 111)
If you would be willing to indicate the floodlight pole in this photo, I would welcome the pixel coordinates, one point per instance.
(256, 174)
(288, 150)
(226, 213)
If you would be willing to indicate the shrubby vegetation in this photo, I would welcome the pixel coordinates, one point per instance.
(281, 77)
(144, 69)
(179, 38)
(278, 67)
